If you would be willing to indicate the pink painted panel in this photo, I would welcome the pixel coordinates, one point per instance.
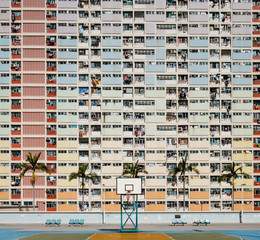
(34, 15)
(34, 78)
(33, 142)
(41, 206)
(33, 53)
(33, 66)
(26, 152)
(33, 117)
(34, 3)
(33, 91)
(28, 193)
(33, 104)
(34, 28)
(34, 129)
(33, 40)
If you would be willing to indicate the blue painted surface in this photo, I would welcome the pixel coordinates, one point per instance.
(67, 42)
(242, 81)
(242, 69)
(67, 55)
(111, 68)
(4, 54)
(198, 56)
(150, 79)
(154, 43)
(67, 67)
(198, 81)
(160, 54)
(198, 43)
(241, 43)
(111, 80)
(241, 56)
(4, 67)
(67, 80)
(4, 42)
(111, 55)
(154, 68)
(198, 68)
(4, 80)
(111, 42)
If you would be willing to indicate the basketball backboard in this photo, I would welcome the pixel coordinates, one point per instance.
(128, 185)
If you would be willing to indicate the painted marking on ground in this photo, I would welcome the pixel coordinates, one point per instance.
(130, 236)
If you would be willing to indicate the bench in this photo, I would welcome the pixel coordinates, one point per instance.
(201, 222)
(75, 222)
(178, 222)
(53, 222)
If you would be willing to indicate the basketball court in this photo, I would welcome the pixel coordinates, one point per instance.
(130, 236)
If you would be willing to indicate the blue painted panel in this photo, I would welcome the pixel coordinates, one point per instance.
(4, 67)
(111, 42)
(241, 43)
(4, 80)
(4, 55)
(67, 42)
(154, 68)
(199, 81)
(111, 80)
(198, 43)
(149, 57)
(242, 69)
(111, 55)
(111, 68)
(198, 56)
(160, 54)
(67, 67)
(4, 42)
(67, 80)
(242, 81)
(150, 79)
(155, 43)
(241, 56)
(67, 55)
(198, 68)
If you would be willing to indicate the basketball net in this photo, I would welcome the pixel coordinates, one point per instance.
(128, 195)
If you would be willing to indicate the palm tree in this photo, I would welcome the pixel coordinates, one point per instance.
(32, 164)
(229, 174)
(133, 169)
(182, 168)
(83, 176)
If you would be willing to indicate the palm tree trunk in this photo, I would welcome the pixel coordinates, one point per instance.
(233, 196)
(83, 205)
(183, 193)
(33, 198)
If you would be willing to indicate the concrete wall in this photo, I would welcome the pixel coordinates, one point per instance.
(144, 217)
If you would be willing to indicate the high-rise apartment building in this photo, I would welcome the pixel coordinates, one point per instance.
(114, 81)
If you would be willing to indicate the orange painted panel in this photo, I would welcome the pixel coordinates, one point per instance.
(110, 195)
(156, 207)
(246, 207)
(199, 195)
(67, 207)
(112, 207)
(246, 195)
(199, 208)
(4, 195)
(67, 195)
(155, 195)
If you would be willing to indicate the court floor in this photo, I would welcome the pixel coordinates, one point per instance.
(130, 236)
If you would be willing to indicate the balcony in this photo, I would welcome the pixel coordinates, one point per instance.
(67, 4)
(241, 6)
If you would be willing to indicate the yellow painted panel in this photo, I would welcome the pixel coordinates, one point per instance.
(4, 144)
(155, 195)
(4, 156)
(67, 195)
(242, 144)
(110, 195)
(247, 182)
(4, 183)
(246, 195)
(4, 195)
(67, 144)
(199, 208)
(155, 182)
(199, 157)
(199, 182)
(67, 156)
(156, 208)
(4, 170)
(246, 207)
(199, 195)
(67, 170)
(66, 183)
(67, 207)
(242, 157)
